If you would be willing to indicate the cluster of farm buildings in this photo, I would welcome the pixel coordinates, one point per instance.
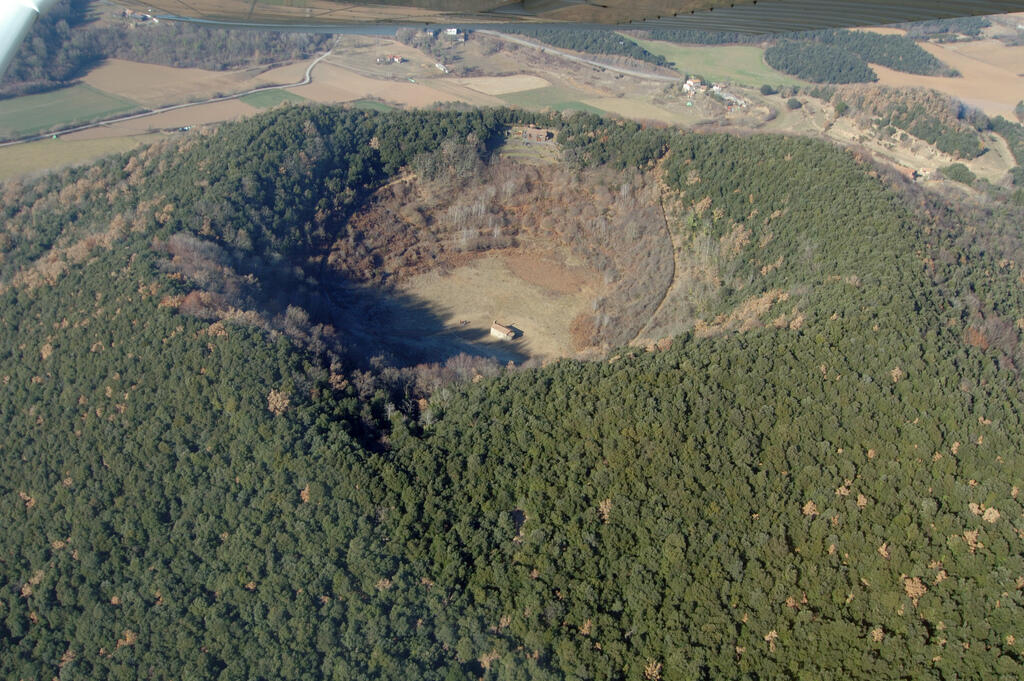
(695, 86)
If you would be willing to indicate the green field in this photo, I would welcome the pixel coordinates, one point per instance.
(372, 105)
(59, 109)
(558, 99)
(739, 64)
(271, 98)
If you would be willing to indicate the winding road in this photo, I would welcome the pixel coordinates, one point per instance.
(152, 112)
(309, 78)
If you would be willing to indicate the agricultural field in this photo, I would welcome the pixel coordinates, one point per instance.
(503, 85)
(62, 108)
(991, 73)
(673, 113)
(23, 160)
(333, 84)
(739, 64)
(372, 105)
(558, 99)
(153, 85)
(266, 99)
(200, 114)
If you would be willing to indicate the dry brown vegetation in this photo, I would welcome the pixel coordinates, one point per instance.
(869, 101)
(603, 221)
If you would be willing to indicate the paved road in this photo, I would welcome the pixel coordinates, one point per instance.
(580, 60)
(120, 119)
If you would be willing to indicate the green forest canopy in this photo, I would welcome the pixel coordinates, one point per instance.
(837, 56)
(833, 494)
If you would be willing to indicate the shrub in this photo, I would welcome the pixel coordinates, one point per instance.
(958, 172)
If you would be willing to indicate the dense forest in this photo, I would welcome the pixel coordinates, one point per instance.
(65, 43)
(818, 478)
(593, 41)
(818, 62)
(843, 56)
(894, 51)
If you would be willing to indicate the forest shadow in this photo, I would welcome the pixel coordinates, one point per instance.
(402, 329)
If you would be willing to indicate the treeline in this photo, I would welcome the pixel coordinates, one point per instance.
(52, 53)
(187, 45)
(844, 56)
(818, 62)
(957, 135)
(64, 44)
(1013, 133)
(594, 42)
(829, 488)
(895, 52)
(693, 37)
(947, 123)
(946, 29)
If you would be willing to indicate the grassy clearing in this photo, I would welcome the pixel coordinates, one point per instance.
(372, 105)
(740, 64)
(62, 108)
(270, 98)
(45, 155)
(529, 153)
(487, 289)
(555, 98)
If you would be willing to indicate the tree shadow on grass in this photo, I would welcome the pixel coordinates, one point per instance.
(404, 328)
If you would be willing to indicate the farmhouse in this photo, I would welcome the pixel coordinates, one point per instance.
(693, 85)
(502, 332)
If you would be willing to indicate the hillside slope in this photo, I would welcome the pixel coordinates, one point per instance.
(199, 479)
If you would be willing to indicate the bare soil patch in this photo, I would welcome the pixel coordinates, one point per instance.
(991, 73)
(915, 154)
(202, 114)
(332, 83)
(503, 85)
(551, 274)
(993, 52)
(882, 30)
(450, 88)
(152, 85)
(282, 75)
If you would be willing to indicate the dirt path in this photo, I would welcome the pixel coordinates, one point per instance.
(581, 60)
(677, 247)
